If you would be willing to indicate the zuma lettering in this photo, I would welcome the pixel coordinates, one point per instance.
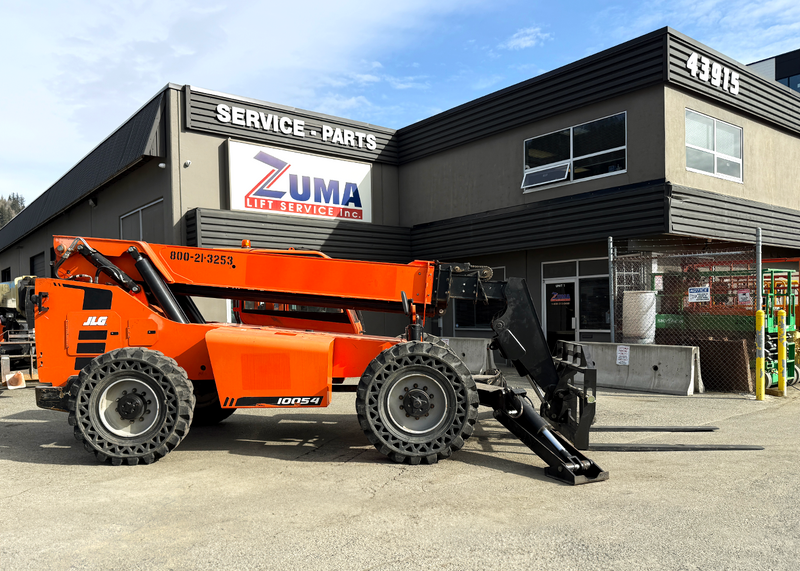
(324, 197)
(251, 119)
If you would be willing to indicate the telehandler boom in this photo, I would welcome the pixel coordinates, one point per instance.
(122, 347)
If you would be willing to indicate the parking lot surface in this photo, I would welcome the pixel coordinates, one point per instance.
(303, 489)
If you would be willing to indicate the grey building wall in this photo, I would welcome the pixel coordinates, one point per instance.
(770, 156)
(764, 68)
(486, 175)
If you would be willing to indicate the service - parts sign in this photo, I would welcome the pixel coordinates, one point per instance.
(266, 179)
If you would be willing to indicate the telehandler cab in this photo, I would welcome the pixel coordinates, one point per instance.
(122, 347)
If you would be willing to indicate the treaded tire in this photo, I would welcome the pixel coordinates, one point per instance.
(404, 437)
(207, 410)
(166, 414)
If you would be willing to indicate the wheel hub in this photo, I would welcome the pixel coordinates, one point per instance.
(416, 402)
(130, 406)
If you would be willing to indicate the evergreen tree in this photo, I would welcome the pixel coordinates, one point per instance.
(10, 207)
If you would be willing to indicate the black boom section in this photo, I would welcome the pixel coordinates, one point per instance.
(520, 337)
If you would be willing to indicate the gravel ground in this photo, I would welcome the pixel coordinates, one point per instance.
(303, 489)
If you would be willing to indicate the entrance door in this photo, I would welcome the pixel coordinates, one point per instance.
(559, 311)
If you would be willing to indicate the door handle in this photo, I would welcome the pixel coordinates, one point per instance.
(573, 323)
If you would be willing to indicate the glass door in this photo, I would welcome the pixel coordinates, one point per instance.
(559, 310)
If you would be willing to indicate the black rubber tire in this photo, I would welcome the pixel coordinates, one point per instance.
(384, 422)
(207, 410)
(167, 417)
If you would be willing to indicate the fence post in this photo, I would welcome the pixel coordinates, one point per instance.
(611, 300)
(759, 273)
(782, 350)
(760, 354)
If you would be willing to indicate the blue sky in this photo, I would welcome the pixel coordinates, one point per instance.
(74, 72)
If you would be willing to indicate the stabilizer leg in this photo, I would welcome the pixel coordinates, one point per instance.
(565, 462)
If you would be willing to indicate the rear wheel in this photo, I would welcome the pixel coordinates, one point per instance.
(131, 405)
(417, 402)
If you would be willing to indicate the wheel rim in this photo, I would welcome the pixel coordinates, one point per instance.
(128, 407)
(416, 403)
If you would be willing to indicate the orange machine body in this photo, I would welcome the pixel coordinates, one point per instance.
(284, 355)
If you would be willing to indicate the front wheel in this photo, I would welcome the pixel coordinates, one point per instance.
(417, 402)
(131, 405)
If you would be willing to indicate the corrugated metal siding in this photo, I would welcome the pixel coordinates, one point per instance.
(625, 68)
(141, 136)
(757, 95)
(621, 212)
(201, 116)
(352, 240)
(696, 212)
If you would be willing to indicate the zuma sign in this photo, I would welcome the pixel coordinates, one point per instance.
(266, 179)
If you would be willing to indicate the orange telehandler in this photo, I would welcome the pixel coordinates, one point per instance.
(122, 347)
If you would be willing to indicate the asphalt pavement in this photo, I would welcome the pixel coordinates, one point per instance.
(303, 489)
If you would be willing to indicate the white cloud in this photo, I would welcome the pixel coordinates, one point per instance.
(483, 83)
(742, 29)
(525, 38)
(80, 69)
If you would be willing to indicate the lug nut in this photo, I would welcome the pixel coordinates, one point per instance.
(407, 415)
(141, 418)
(431, 406)
(431, 395)
(416, 418)
(401, 407)
(415, 385)
(147, 411)
(124, 392)
(400, 397)
(425, 389)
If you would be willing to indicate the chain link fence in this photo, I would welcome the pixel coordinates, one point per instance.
(670, 294)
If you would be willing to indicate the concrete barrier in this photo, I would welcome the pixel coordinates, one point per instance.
(668, 369)
(474, 352)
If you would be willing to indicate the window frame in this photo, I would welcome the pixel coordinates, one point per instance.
(570, 179)
(714, 152)
(139, 212)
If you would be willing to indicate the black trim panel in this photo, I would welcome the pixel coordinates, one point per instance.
(81, 362)
(92, 335)
(91, 348)
(94, 298)
(255, 401)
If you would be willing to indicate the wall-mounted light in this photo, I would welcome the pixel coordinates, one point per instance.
(93, 202)
(187, 163)
(162, 165)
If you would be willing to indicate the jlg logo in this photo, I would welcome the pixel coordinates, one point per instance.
(96, 321)
(299, 400)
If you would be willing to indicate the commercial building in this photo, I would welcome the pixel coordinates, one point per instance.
(659, 136)
(783, 68)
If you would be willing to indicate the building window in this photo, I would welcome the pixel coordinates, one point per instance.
(6, 275)
(478, 315)
(37, 265)
(713, 147)
(582, 152)
(792, 82)
(145, 223)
